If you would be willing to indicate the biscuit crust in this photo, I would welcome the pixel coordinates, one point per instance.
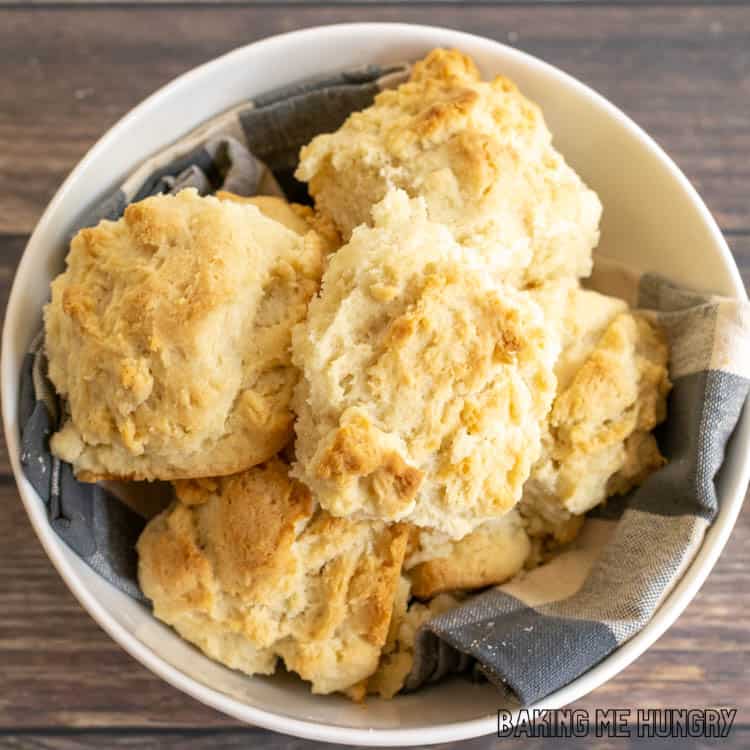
(249, 570)
(489, 555)
(300, 219)
(614, 384)
(481, 156)
(425, 383)
(168, 337)
(398, 655)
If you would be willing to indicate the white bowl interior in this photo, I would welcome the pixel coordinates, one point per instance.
(652, 219)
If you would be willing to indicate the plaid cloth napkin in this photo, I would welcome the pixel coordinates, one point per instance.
(542, 630)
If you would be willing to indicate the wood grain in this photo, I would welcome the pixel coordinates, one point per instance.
(684, 74)
(365, 3)
(241, 740)
(11, 247)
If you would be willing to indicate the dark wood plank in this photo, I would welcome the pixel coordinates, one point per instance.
(683, 73)
(11, 248)
(739, 244)
(58, 669)
(345, 3)
(240, 740)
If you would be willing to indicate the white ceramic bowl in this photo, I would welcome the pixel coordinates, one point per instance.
(652, 218)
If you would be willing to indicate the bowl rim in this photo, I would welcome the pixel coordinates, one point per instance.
(669, 609)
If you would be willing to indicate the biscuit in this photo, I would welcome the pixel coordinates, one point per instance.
(298, 218)
(481, 156)
(614, 382)
(273, 207)
(249, 570)
(489, 555)
(168, 336)
(398, 654)
(580, 317)
(425, 382)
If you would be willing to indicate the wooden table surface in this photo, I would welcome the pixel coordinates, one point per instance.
(68, 71)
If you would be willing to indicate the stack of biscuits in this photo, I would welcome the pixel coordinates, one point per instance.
(369, 408)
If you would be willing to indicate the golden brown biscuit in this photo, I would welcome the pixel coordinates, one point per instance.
(168, 335)
(398, 654)
(580, 316)
(613, 387)
(489, 555)
(322, 224)
(246, 568)
(481, 156)
(273, 207)
(425, 383)
(298, 218)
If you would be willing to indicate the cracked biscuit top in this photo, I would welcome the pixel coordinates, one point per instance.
(249, 570)
(168, 336)
(481, 156)
(425, 381)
